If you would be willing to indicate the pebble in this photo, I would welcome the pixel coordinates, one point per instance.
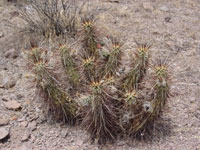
(12, 105)
(12, 53)
(41, 119)
(20, 96)
(21, 119)
(33, 117)
(164, 8)
(148, 6)
(23, 147)
(3, 121)
(121, 143)
(5, 98)
(1, 34)
(25, 137)
(24, 124)
(64, 133)
(4, 133)
(8, 82)
(168, 19)
(32, 125)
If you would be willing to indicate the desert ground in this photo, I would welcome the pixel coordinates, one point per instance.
(171, 26)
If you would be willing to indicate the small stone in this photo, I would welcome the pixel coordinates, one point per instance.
(3, 121)
(25, 137)
(37, 110)
(147, 6)
(24, 124)
(12, 53)
(20, 96)
(64, 133)
(33, 117)
(23, 147)
(168, 19)
(164, 8)
(33, 138)
(121, 143)
(4, 133)
(21, 119)
(13, 118)
(41, 119)
(1, 34)
(32, 125)
(5, 98)
(170, 43)
(12, 105)
(8, 82)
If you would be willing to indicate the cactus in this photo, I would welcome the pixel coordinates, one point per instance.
(89, 36)
(139, 114)
(161, 88)
(59, 101)
(138, 68)
(61, 106)
(113, 58)
(35, 55)
(70, 65)
(116, 104)
(100, 120)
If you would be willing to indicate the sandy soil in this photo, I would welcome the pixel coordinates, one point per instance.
(173, 29)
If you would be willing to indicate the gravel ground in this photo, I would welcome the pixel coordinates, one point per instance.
(173, 29)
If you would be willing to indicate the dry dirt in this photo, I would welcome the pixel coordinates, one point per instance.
(171, 26)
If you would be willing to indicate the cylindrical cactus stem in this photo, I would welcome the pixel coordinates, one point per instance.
(35, 55)
(150, 110)
(101, 119)
(137, 117)
(130, 98)
(70, 65)
(138, 68)
(132, 114)
(113, 58)
(89, 68)
(61, 106)
(161, 88)
(89, 36)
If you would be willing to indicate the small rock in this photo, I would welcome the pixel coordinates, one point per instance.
(33, 117)
(121, 143)
(113, 1)
(4, 133)
(12, 96)
(164, 8)
(8, 82)
(24, 124)
(170, 43)
(13, 118)
(5, 98)
(20, 96)
(13, 105)
(1, 34)
(33, 138)
(25, 137)
(23, 147)
(41, 119)
(12, 53)
(64, 133)
(147, 6)
(37, 110)
(32, 125)
(14, 14)
(168, 19)
(3, 121)
(21, 119)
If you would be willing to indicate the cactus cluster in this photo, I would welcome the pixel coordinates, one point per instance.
(114, 103)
